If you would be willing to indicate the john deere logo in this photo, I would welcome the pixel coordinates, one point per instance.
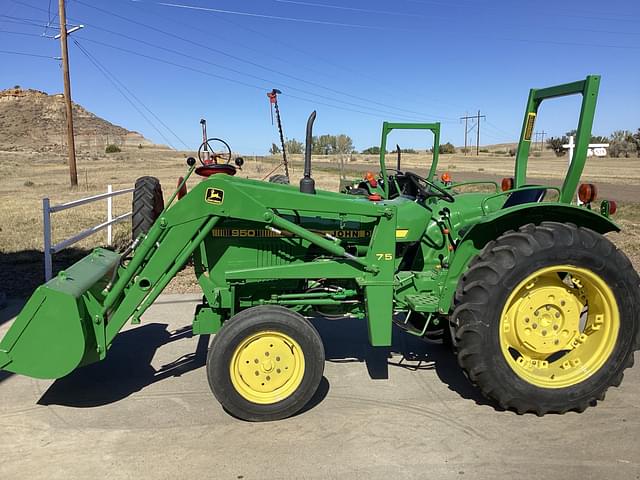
(214, 195)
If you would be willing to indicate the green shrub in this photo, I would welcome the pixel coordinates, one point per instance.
(447, 148)
(371, 151)
(111, 148)
(512, 152)
(484, 150)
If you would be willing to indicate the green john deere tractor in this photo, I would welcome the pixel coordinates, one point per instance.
(540, 308)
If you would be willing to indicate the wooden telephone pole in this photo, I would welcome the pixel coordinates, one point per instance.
(71, 145)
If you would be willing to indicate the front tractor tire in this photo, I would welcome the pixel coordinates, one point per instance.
(265, 363)
(546, 318)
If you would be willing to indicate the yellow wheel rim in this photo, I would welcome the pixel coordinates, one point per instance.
(559, 326)
(267, 367)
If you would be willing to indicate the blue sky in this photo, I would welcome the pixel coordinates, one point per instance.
(356, 62)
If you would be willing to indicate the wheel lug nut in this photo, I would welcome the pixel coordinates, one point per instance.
(562, 303)
(256, 361)
(535, 325)
(257, 373)
(557, 314)
(536, 313)
(544, 332)
(526, 320)
(547, 307)
(555, 327)
(556, 342)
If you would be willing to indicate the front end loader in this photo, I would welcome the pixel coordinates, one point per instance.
(540, 308)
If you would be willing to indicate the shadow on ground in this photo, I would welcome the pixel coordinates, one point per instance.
(22, 272)
(345, 340)
(11, 310)
(128, 367)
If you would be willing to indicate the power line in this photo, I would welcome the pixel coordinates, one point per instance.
(228, 79)
(145, 107)
(112, 79)
(240, 72)
(275, 39)
(394, 110)
(350, 9)
(26, 54)
(500, 130)
(270, 17)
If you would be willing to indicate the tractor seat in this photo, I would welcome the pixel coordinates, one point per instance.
(214, 168)
(533, 195)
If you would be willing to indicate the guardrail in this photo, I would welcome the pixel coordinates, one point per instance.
(48, 209)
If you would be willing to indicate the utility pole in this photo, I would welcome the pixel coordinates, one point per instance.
(71, 146)
(477, 126)
(465, 118)
(541, 135)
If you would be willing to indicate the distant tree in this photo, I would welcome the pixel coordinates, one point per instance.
(111, 148)
(324, 145)
(293, 146)
(447, 148)
(512, 152)
(344, 144)
(274, 150)
(599, 139)
(371, 151)
(622, 144)
(636, 138)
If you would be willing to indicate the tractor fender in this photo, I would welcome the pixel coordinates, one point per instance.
(495, 224)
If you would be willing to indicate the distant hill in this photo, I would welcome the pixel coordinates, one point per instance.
(33, 121)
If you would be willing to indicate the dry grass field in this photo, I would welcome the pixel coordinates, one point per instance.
(27, 178)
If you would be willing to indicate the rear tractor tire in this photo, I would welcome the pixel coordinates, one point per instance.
(265, 363)
(546, 318)
(147, 205)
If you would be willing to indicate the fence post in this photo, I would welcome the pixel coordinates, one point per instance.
(46, 221)
(109, 215)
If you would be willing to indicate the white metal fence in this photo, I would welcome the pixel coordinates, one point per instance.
(48, 209)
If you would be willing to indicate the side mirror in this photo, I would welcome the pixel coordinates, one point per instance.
(239, 161)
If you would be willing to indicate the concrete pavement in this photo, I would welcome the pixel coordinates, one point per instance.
(147, 412)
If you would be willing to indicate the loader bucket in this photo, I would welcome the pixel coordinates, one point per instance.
(54, 333)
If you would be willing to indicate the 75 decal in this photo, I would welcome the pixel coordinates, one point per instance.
(384, 256)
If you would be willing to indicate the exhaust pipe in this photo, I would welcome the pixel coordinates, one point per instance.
(307, 184)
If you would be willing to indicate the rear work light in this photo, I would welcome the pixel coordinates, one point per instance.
(587, 192)
(507, 184)
(446, 178)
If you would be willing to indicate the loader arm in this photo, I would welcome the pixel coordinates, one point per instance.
(97, 311)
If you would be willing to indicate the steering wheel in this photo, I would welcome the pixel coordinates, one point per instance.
(208, 155)
(426, 187)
